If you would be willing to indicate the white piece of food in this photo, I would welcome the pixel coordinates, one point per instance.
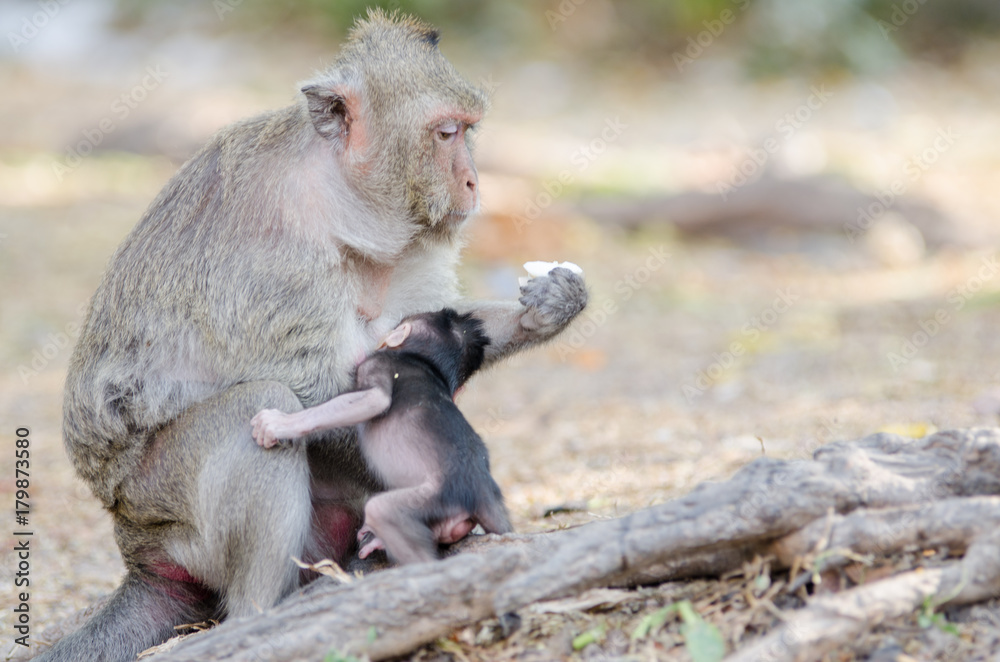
(537, 269)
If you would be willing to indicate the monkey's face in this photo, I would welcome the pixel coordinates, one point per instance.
(398, 116)
(453, 158)
(443, 188)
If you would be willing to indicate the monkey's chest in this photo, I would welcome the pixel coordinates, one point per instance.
(373, 292)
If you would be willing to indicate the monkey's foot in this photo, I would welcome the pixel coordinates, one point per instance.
(453, 529)
(369, 542)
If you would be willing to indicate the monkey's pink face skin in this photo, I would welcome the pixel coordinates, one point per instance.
(452, 155)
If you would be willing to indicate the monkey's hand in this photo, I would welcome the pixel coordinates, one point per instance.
(552, 301)
(271, 425)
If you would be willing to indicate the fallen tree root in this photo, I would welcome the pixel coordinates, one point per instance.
(881, 494)
(878, 495)
(951, 523)
(831, 621)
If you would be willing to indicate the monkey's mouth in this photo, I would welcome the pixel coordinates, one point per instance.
(448, 224)
(455, 217)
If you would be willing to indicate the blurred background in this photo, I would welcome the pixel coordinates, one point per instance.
(786, 211)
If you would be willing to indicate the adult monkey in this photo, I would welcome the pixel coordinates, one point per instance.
(263, 272)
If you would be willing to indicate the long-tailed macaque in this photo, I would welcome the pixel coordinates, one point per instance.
(265, 269)
(433, 464)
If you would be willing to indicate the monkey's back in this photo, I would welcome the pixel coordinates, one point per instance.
(214, 286)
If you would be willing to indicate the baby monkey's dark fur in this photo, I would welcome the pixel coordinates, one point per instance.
(415, 440)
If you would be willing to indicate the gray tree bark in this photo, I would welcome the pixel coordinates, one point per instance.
(882, 494)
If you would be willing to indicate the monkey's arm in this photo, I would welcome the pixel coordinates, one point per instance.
(547, 305)
(345, 410)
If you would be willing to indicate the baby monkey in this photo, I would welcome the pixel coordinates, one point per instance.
(435, 467)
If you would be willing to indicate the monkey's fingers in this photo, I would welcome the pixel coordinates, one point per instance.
(255, 431)
(264, 435)
(269, 426)
(373, 545)
(256, 425)
(273, 436)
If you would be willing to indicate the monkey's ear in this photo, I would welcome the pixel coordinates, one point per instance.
(332, 111)
(397, 336)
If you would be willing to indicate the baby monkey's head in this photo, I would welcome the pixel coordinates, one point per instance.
(455, 343)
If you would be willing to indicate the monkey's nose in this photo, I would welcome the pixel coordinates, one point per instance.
(471, 184)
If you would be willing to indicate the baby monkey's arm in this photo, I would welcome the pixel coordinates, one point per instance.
(271, 425)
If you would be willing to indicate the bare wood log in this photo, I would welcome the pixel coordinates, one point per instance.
(952, 523)
(711, 530)
(832, 621)
(385, 615)
(765, 500)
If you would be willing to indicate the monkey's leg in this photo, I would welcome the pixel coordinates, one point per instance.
(208, 514)
(492, 514)
(395, 518)
(341, 483)
(141, 613)
(547, 305)
(211, 503)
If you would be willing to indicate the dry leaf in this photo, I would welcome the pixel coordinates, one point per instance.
(326, 567)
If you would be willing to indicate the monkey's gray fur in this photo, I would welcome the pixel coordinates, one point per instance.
(265, 269)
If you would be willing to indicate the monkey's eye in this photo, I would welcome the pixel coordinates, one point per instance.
(447, 131)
